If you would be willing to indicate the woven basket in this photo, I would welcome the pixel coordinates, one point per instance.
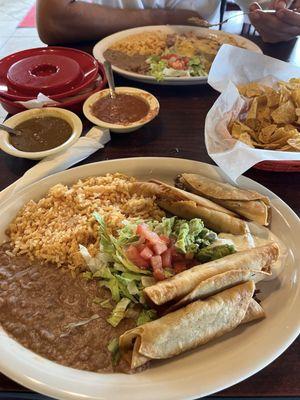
(279, 166)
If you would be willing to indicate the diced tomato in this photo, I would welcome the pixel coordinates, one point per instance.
(178, 64)
(189, 256)
(143, 230)
(140, 246)
(146, 253)
(165, 239)
(168, 56)
(180, 266)
(134, 256)
(156, 264)
(194, 262)
(166, 258)
(176, 256)
(159, 248)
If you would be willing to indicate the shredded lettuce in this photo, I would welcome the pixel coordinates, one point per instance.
(118, 313)
(165, 227)
(196, 67)
(87, 275)
(113, 348)
(147, 281)
(146, 316)
(106, 304)
(113, 285)
(157, 67)
(127, 235)
(111, 246)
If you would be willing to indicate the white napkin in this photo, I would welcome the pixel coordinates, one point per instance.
(39, 102)
(94, 140)
(233, 66)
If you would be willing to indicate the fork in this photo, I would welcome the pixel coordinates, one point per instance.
(205, 24)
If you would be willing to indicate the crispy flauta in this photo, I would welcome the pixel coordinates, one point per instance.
(218, 283)
(175, 288)
(251, 205)
(254, 312)
(188, 327)
(188, 205)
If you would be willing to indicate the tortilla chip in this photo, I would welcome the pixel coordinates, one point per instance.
(296, 97)
(285, 113)
(246, 138)
(266, 133)
(273, 116)
(285, 94)
(238, 128)
(252, 113)
(251, 89)
(298, 115)
(295, 142)
(273, 99)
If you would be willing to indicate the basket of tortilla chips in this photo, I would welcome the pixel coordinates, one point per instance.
(271, 121)
(255, 122)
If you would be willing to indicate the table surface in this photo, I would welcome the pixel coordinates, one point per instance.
(178, 131)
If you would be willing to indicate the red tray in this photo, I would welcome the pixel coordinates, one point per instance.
(279, 166)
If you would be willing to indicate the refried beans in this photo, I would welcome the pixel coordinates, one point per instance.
(135, 63)
(38, 302)
(123, 109)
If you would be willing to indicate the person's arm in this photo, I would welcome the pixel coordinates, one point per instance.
(283, 26)
(69, 21)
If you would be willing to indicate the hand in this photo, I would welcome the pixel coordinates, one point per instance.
(281, 27)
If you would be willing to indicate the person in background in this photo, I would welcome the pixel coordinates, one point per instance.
(71, 21)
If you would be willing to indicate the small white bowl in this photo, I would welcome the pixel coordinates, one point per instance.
(122, 128)
(12, 122)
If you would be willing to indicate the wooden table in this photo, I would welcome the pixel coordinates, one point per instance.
(179, 132)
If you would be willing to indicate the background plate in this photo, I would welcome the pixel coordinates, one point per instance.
(104, 44)
(210, 368)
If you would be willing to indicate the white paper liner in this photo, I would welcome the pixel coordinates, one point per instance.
(40, 101)
(94, 140)
(233, 66)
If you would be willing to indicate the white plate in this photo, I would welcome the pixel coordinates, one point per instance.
(104, 44)
(201, 372)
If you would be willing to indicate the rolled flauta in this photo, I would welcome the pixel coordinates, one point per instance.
(188, 205)
(175, 288)
(254, 312)
(250, 204)
(188, 327)
(218, 283)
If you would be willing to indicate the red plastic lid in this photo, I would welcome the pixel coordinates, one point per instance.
(48, 73)
(58, 71)
(72, 103)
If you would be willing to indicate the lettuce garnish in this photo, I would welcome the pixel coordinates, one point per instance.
(125, 281)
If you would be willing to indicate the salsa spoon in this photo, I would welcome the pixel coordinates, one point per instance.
(110, 79)
(9, 130)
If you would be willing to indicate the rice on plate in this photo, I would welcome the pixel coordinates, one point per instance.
(52, 228)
